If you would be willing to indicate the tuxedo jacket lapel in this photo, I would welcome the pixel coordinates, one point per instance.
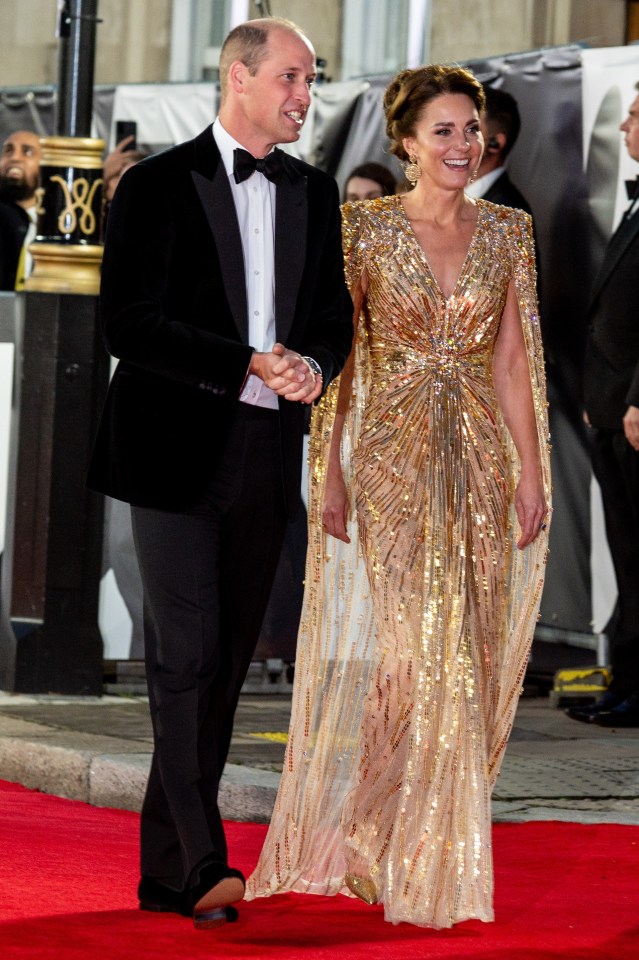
(211, 182)
(625, 234)
(291, 227)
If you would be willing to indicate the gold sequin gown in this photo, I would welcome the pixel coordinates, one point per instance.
(414, 637)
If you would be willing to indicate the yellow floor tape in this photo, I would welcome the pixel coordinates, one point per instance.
(274, 737)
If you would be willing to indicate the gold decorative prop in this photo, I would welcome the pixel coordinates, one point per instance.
(67, 251)
(80, 197)
(65, 268)
(83, 153)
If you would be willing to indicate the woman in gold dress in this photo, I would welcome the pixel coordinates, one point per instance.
(429, 488)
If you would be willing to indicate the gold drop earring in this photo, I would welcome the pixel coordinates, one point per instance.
(412, 170)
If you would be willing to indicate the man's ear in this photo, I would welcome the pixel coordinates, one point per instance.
(237, 75)
(496, 143)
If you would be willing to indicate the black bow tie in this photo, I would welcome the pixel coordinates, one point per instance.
(632, 188)
(244, 164)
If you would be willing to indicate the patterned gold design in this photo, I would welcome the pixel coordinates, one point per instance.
(414, 637)
(80, 198)
(412, 170)
(39, 197)
(59, 266)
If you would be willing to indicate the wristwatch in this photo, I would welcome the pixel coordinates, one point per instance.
(313, 366)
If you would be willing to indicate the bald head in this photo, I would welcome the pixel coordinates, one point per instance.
(20, 167)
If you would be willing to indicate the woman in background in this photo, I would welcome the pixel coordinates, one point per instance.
(369, 181)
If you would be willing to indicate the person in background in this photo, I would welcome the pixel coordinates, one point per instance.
(115, 163)
(611, 399)
(19, 176)
(368, 181)
(223, 296)
(500, 124)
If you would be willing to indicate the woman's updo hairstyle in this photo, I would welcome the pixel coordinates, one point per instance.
(409, 92)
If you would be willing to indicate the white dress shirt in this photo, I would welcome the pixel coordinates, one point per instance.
(255, 206)
(481, 186)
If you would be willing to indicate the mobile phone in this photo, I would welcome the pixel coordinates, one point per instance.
(126, 128)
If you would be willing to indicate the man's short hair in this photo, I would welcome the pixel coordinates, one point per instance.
(502, 116)
(248, 42)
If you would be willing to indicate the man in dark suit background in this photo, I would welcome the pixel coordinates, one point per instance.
(611, 389)
(223, 295)
(19, 172)
(500, 124)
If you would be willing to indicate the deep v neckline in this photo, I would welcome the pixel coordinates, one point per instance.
(424, 257)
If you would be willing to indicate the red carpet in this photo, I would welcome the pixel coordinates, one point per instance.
(68, 874)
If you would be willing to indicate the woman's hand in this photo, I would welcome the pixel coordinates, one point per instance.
(335, 506)
(531, 507)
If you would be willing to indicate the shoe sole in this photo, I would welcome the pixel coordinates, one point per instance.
(210, 911)
(209, 920)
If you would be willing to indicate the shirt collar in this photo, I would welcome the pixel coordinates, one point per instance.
(226, 145)
(481, 186)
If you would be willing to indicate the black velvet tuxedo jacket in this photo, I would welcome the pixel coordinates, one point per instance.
(504, 191)
(611, 374)
(173, 309)
(14, 223)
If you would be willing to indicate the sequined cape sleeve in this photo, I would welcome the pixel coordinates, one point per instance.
(527, 567)
(326, 550)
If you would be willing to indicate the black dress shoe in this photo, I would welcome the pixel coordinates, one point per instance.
(626, 714)
(590, 713)
(158, 898)
(218, 887)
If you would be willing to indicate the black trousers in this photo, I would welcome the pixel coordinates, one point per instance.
(616, 467)
(206, 574)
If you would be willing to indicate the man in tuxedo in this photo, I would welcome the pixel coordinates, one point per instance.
(500, 124)
(223, 295)
(19, 174)
(611, 389)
